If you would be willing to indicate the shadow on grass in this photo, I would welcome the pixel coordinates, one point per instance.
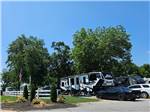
(27, 106)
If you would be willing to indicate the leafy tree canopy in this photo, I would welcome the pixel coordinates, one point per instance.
(28, 56)
(104, 49)
(145, 70)
(60, 60)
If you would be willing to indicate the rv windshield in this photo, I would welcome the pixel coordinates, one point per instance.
(93, 76)
(108, 77)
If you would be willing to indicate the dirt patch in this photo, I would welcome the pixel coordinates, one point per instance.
(28, 106)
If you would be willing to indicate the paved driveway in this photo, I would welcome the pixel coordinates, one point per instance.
(141, 105)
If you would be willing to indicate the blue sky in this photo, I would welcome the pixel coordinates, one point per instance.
(58, 21)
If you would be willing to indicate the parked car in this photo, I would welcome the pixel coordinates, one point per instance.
(144, 88)
(147, 80)
(117, 93)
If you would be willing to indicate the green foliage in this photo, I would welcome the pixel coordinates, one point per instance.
(32, 93)
(85, 51)
(9, 79)
(16, 54)
(53, 93)
(104, 49)
(74, 99)
(52, 80)
(29, 55)
(145, 70)
(133, 69)
(25, 92)
(7, 98)
(60, 60)
(36, 61)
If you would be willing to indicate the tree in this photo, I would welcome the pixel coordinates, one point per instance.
(33, 92)
(53, 93)
(145, 70)
(36, 61)
(133, 69)
(115, 49)
(85, 51)
(16, 58)
(53, 81)
(29, 56)
(104, 49)
(60, 61)
(9, 79)
(25, 92)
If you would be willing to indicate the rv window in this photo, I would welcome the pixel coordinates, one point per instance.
(93, 76)
(77, 80)
(68, 81)
(146, 86)
(136, 86)
(62, 83)
(84, 80)
(72, 81)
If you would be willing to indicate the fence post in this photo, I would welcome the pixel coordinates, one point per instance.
(38, 93)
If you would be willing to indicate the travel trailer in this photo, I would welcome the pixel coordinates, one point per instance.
(85, 82)
(128, 80)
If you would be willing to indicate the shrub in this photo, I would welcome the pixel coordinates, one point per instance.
(53, 93)
(38, 102)
(25, 92)
(21, 99)
(33, 92)
(61, 99)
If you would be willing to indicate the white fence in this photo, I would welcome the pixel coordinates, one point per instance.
(39, 93)
(13, 93)
(42, 93)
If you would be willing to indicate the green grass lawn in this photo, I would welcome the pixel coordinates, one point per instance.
(7, 98)
(77, 99)
(73, 100)
(68, 99)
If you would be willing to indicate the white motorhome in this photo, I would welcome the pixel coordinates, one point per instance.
(86, 81)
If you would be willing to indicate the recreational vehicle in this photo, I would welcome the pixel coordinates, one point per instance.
(129, 80)
(85, 82)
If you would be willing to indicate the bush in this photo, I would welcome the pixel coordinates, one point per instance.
(53, 93)
(61, 99)
(25, 92)
(38, 102)
(33, 92)
(21, 99)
